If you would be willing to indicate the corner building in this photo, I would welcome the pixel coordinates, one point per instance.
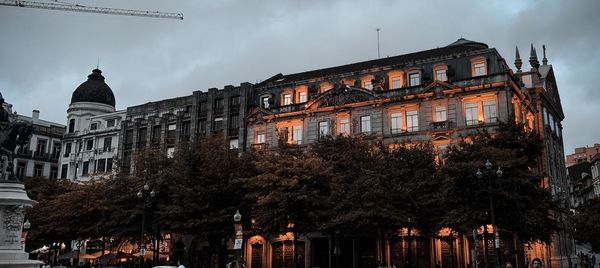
(436, 95)
(89, 146)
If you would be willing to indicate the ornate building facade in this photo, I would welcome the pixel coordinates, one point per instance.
(90, 143)
(437, 95)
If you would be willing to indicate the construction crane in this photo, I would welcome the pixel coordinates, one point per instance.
(90, 9)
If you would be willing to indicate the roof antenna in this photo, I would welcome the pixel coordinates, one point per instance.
(98, 63)
(544, 60)
(378, 55)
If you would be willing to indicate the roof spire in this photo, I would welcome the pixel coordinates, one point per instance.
(98, 63)
(518, 62)
(533, 60)
(544, 60)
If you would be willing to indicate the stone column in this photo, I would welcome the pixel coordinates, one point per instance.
(13, 201)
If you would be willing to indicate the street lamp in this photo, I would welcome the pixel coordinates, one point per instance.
(146, 198)
(237, 225)
(499, 173)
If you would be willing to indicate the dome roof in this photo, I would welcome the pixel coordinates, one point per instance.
(94, 90)
(464, 42)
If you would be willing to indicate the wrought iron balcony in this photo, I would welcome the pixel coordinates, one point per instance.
(441, 125)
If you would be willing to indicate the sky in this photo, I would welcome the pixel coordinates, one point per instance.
(45, 54)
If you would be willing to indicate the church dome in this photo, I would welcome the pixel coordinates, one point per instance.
(94, 90)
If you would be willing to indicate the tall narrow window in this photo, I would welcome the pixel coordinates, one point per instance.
(67, 150)
(218, 124)
(412, 121)
(344, 126)
(89, 145)
(86, 166)
(218, 106)
(396, 122)
(471, 113)
(396, 82)
(440, 114)
(489, 111)
(297, 134)
(365, 124)
(72, 125)
(323, 129)
(414, 79)
(63, 171)
(41, 147)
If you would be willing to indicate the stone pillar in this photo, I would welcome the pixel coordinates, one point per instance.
(13, 201)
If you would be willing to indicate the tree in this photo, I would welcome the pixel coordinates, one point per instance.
(289, 192)
(587, 224)
(521, 204)
(205, 191)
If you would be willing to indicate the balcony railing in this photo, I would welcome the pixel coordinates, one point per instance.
(288, 108)
(441, 125)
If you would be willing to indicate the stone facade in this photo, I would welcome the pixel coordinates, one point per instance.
(40, 157)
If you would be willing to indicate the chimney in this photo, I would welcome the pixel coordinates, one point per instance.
(35, 115)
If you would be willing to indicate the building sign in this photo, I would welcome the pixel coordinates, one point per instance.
(239, 236)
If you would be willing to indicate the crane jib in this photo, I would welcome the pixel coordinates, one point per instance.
(90, 9)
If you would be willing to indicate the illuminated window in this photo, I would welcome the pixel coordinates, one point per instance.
(297, 134)
(323, 128)
(365, 124)
(490, 111)
(302, 97)
(414, 79)
(396, 82)
(471, 113)
(440, 75)
(412, 121)
(287, 99)
(344, 126)
(440, 114)
(396, 124)
(234, 144)
(260, 138)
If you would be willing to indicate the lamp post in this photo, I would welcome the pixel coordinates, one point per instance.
(146, 198)
(237, 224)
(488, 167)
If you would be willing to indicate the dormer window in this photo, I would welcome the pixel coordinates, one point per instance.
(414, 79)
(301, 94)
(265, 102)
(479, 66)
(94, 126)
(440, 73)
(366, 82)
(367, 85)
(395, 79)
(302, 97)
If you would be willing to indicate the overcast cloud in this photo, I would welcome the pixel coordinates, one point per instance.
(45, 54)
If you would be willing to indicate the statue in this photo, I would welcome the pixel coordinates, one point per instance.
(13, 198)
(12, 134)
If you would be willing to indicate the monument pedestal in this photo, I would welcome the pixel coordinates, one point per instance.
(13, 201)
